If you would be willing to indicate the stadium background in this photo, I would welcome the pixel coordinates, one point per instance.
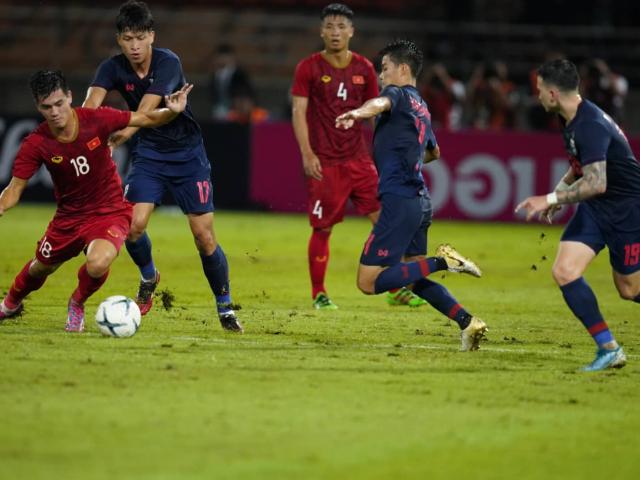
(483, 174)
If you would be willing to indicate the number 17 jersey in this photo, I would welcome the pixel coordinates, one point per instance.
(331, 92)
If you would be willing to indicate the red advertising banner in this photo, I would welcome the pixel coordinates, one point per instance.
(481, 175)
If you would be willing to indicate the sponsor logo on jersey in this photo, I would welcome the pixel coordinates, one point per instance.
(94, 143)
(57, 159)
(383, 252)
(325, 78)
(357, 80)
(113, 234)
(129, 87)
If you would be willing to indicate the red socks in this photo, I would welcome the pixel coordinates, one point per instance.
(87, 285)
(22, 286)
(318, 260)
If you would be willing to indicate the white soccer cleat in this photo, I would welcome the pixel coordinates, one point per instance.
(471, 336)
(456, 262)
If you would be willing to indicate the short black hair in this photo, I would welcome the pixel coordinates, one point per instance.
(44, 82)
(336, 9)
(562, 73)
(134, 16)
(404, 51)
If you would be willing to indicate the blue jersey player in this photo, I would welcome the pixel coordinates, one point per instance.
(171, 157)
(604, 178)
(403, 140)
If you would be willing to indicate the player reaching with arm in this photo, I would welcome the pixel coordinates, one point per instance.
(91, 214)
(403, 140)
(337, 163)
(604, 180)
(168, 158)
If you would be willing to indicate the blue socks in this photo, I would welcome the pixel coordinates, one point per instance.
(404, 274)
(582, 302)
(440, 299)
(216, 269)
(140, 253)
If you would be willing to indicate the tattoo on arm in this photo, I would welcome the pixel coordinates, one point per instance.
(592, 183)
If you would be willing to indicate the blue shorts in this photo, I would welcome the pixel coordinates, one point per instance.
(400, 230)
(622, 238)
(189, 182)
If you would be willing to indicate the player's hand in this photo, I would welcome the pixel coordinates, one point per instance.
(347, 120)
(533, 205)
(118, 138)
(312, 166)
(177, 101)
(547, 215)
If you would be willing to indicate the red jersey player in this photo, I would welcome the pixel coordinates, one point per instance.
(337, 162)
(92, 215)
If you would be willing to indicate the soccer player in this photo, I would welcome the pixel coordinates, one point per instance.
(403, 140)
(337, 163)
(604, 180)
(168, 158)
(92, 214)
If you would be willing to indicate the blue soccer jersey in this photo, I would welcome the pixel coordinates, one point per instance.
(173, 142)
(592, 136)
(401, 136)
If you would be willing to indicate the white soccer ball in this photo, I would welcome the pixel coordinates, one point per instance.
(118, 316)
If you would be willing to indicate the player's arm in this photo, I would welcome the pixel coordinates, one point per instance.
(176, 103)
(431, 154)
(369, 109)
(95, 97)
(310, 161)
(11, 194)
(148, 103)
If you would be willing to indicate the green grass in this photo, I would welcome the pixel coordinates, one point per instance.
(366, 392)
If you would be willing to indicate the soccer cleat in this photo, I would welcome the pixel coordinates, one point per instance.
(323, 302)
(607, 359)
(144, 299)
(456, 262)
(404, 297)
(6, 312)
(75, 318)
(230, 322)
(471, 336)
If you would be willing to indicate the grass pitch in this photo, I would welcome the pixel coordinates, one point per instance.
(366, 392)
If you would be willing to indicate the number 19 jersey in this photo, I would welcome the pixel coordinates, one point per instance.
(85, 179)
(331, 92)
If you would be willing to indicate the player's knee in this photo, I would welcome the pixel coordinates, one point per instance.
(205, 241)
(563, 274)
(628, 292)
(366, 285)
(98, 265)
(135, 231)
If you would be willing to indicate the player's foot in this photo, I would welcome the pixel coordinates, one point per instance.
(471, 336)
(144, 299)
(607, 359)
(323, 302)
(230, 322)
(6, 312)
(404, 297)
(456, 262)
(75, 318)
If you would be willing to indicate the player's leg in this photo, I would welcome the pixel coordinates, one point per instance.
(624, 257)
(145, 188)
(327, 199)
(579, 245)
(31, 278)
(628, 286)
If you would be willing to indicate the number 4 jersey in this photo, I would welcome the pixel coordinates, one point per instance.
(84, 175)
(331, 92)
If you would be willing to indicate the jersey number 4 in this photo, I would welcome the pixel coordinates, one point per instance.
(342, 91)
(317, 210)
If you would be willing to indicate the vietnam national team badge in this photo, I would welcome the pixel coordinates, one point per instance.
(357, 80)
(325, 79)
(57, 159)
(94, 143)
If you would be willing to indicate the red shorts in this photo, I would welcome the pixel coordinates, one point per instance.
(65, 237)
(355, 179)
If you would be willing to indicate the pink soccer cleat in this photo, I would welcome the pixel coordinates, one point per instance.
(75, 319)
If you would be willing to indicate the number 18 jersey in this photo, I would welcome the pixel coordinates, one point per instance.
(84, 175)
(331, 92)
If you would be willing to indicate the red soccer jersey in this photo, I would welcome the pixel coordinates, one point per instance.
(84, 176)
(332, 91)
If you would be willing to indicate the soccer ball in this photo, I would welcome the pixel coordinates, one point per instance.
(118, 316)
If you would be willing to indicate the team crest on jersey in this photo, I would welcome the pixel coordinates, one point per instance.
(325, 79)
(94, 143)
(357, 80)
(57, 159)
(129, 87)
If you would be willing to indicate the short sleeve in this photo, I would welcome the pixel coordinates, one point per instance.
(372, 83)
(167, 77)
(592, 141)
(27, 161)
(394, 94)
(113, 119)
(301, 80)
(105, 76)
